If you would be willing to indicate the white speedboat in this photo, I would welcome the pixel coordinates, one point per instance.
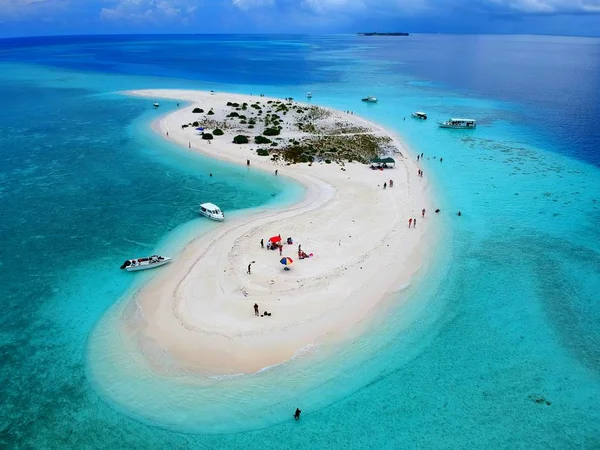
(369, 99)
(156, 105)
(419, 115)
(211, 211)
(150, 262)
(458, 123)
(309, 95)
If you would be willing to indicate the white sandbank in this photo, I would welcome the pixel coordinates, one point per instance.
(199, 308)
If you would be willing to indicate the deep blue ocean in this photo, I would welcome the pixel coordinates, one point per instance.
(499, 345)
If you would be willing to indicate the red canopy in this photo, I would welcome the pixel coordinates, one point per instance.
(275, 239)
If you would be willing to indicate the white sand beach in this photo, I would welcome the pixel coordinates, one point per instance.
(199, 308)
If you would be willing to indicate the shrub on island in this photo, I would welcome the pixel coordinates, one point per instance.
(243, 122)
(196, 124)
(235, 105)
(240, 139)
(218, 132)
(185, 125)
(198, 110)
(250, 126)
(210, 113)
(233, 114)
(262, 152)
(207, 136)
(271, 132)
(229, 104)
(327, 161)
(262, 140)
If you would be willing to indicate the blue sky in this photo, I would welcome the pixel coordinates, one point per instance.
(49, 17)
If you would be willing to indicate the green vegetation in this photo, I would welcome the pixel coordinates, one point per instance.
(233, 114)
(262, 152)
(218, 132)
(262, 140)
(271, 132)
(198, 110)
(240, 139)
(207, 136)
(210, 113)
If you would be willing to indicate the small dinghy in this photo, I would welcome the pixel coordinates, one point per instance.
(156, 105)
(150, 262)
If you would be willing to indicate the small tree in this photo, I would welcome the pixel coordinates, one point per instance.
(262, 152)
(271, 132)
(218, 132)
(207, 136)
(240, 139)
(262, 140)
(198, 110)
(210, 113)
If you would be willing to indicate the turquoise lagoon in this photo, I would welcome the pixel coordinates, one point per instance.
(496, 342)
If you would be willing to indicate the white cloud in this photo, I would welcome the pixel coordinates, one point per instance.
(550, 6)
(249, 4)
(10, 9)
(149, 10)
(374, 7)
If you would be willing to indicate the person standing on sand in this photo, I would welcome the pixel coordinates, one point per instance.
(189, 145)
(276, 170)
(409, 222)
(262, 243)
(299, 248)
(256, 309)
(384, 185)
(297, 414)
(249, 268)
(415, 222)
(418, 156)
(280, 249)
(391, 183)
(423, 213)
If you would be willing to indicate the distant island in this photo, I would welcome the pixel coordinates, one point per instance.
(383, 34)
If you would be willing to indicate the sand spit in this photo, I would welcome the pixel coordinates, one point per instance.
(199, 309)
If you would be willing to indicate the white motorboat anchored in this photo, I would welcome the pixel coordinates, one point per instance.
(156, 105)
(419, 115)
(212, 211)
(309, 95)
(369, 99)
(150, 262)
(458, 123)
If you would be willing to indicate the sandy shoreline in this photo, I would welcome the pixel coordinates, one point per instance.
(199, 309)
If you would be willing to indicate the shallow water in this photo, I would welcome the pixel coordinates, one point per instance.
(504, 315)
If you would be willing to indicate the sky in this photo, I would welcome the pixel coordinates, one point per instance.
(55, 17)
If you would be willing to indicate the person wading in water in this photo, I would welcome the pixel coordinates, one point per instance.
(297, 414)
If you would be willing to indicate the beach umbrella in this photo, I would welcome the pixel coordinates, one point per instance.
(275, 239)
(286, 261)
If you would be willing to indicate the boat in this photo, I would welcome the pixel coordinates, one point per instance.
(458, 123)
(150, 262)
(309, 95)
(419, 115)
(211, 211)
(369, 99)
(156, 105)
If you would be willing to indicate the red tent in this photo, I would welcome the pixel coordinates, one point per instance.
(275, 239)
